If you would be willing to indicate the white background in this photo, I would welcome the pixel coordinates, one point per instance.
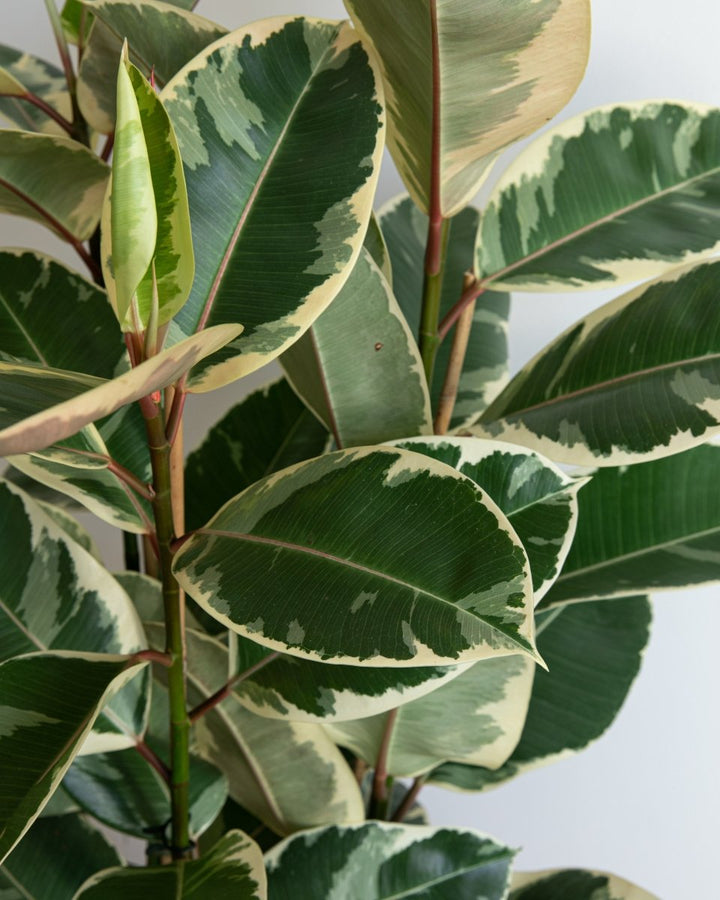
(643, 802)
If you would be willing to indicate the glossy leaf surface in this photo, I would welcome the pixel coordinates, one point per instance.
(577, 884)
(21, 73)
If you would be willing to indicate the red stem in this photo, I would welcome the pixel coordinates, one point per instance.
(154, 760)
(409, 799)
(227, 688)
(471, 292)
(45, 107)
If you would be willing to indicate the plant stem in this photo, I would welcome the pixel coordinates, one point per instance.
(408, 799)
(448, 394)
(151, 757)
(379, 802)
(226, 689)
(174, 633)
(471, 292)
(79, 126)
(29, 97)
(436, 250)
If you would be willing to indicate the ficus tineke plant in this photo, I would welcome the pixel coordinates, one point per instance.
(390, 581)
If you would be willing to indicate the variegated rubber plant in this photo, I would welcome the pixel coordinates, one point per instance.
(389, 579)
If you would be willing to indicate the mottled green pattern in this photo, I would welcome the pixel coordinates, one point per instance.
(645, 528)
(269, 430)
(476, 718)
(358, 367)
(485, 370)
(593, 652)
(82, 607)
(504, 68)
(49, 704)
(232, 870)
(424, 570)
(20, 71)
(614, 195)
(637, 379)
(35, 170)
(274, 239)
(539, 500)
(574, 884)
(380, 861)
(161, 38)
(54, 858)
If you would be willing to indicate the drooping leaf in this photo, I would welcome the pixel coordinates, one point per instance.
(270, 430)
(637, 379)
(232, 870)
(380, 861)
(275, 238)
(485, 370)
(147, 246)
(467, 80)
(49, 704)
(35, 170)
(356, 356)
(614, 195)
(289, 775)
(539, 500)
(593, 652)
(44, 406)
(425, 569)
(645, 528)
(54, 858)
(21, 73)
(161, 36)
(55, 596)
(575, 884)
(476, 718)
(122, 791)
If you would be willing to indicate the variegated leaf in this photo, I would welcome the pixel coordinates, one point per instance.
(476, 719)
(645, 528)
(485, 370)
(275, 239)
(593, 652)
(147, 248)
(72, 528)
(46, 405)
(375, 245)
(424, 571)
(270, 430)
(49, 704)
(468, 79)
(539, 500)
(22, 73)
(232, 870)
(35, 170)
(289, 775)
(635, 380)
(122, 791)
(614, 195)
(381, 861)
(54, 858)
(83, 609)
(358, 367)
(161, 38)
(578, 884)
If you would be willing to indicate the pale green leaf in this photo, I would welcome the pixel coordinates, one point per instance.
(575, 884)
(358, 355)
(279, 237)
(21, 73)
(637, 379)
(468, 79)
(393, 602)
(614, 195)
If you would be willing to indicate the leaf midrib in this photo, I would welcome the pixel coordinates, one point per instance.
(457, 873)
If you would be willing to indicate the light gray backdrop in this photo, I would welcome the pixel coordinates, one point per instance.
(645, 801)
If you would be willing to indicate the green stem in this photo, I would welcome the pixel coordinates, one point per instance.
(435, 255)
(380, 792)
(174, 632)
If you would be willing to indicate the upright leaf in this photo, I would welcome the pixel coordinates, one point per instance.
(23, 73)
(614, 195)
(35, 170)
(358, 355)
(593, 651)
(425, 569)
(162, 37)
(50, 701)
(275, 238)
(576, 883)
(485, 370)
(645, 528)
(380, 861)
(634, 380)
(82, 609)
(468, 79)
(232, 870)
(54, 859)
